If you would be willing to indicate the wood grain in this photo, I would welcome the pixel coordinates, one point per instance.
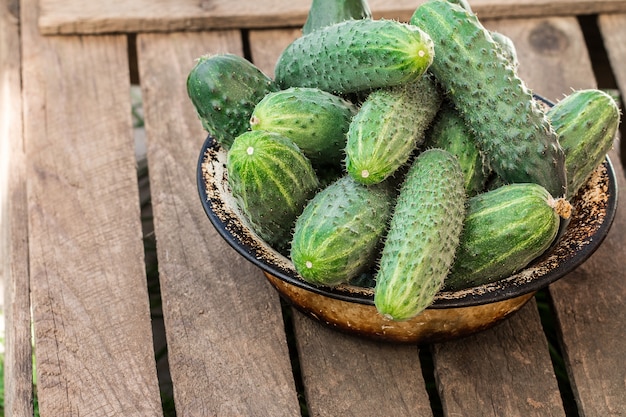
(589, 301)
(76, 16)
(613, 30)
(226, 342)
(348, 376)
(93, 338)
(504, 371)
(14, 275)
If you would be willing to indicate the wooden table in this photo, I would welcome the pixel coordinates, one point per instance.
(73, 237)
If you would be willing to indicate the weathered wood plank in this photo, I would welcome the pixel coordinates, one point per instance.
(508, 367)
(504, 371)
(14, 276)
(63, 17)
(344, 375)
(613, 29)
(226, 342)
(589, 301)
(348, 376)
(93, 338)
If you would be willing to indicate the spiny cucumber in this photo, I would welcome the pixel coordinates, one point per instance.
(317, 121)
(586, 122)
(423, 236)
(504, 230)
(510, 126)
(271, 180)
(224, 89)
(450, 132)
(324, 13)
(389, 126)
(354, 56)
(337, 235)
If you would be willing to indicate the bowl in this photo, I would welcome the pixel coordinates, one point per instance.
(453, 314)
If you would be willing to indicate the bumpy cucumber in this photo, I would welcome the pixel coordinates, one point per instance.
(450, 132)
(504, 230)
(324, 13)
(355, 55)
(389, 126)
(423, 236)
(271, 180)
(338, 233)
(315, 120)
(586, 122)
(510, 126)
(224, 89)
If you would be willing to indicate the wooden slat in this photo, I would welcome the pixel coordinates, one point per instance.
(77, 16)
(504, 371)
(345, 375)
(226, 342)
(589, 301)
(18, 381)
(613, 29)
(93, 338)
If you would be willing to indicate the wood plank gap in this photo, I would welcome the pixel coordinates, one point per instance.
(288, 312)
(551, 330)
(428, 372)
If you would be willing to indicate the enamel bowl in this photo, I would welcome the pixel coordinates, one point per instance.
(351, 309)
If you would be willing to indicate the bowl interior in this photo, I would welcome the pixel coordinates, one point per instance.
(594, 210)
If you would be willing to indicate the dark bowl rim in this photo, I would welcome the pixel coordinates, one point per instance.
(468, 298)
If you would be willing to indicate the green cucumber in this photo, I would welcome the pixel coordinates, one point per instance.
(510, 126)
(337, 236)
(423, 236)
(224, 89)
(324, 13)
(271, 180)
(450, 132)
(389, 126)
(504, 230)
(354, 56)
(317, 121)
(586, 122)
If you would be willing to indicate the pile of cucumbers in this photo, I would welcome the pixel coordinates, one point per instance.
(410, 151)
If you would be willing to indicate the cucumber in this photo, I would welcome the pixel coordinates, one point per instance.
(324, 13)
(423, 236)
(504, 230)
(271, 180)
(354, 56)
(586, 122)
(315, 120)
(389, 126)
(450, 132)
(510, 126)
(337, 236)
(224, 89)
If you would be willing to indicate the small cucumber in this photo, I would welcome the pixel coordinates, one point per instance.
(338, 234)
(224, 89)
(354, 56)
(450, 132)
(271, 180)
(586, 122)
(423, 236)
(324, 13)
(510, 126)
(389, 126)
(504, 230)
(315, 120)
